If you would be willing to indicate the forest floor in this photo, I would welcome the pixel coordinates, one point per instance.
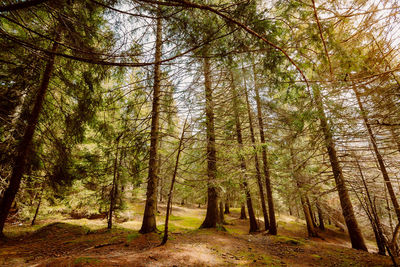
(86, 242)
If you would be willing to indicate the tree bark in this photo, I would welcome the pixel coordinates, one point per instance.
(171, 189)
(243, 178)
(227, 207)
(303, 198)
(313, 219)
(149, 218)
(357, 240)
(212, 195)
(23, 147)
(221, 213)
(268, 187)
(38, 205)
(114, 185)
(373, 215)
(243, 212)
(321, 224)
(258, 172)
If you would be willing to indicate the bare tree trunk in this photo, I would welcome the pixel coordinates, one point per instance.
(321, 224)
(149, 218)
(379, 157)
(357, 240)
(243, 212)
(114, 185)
(243, 178)
(38, 205)
(221, 213)
(313, 219)
(212, 195)
(303, 198)
(373, 214)
(171, 189)
(23, 147)
(268, 187)
(307, 215)
(258, 172)
(227, 206)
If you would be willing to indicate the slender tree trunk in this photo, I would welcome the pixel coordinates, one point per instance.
(321, 224)
(114, 185)
(38, 205)
(212, 195)
(313, 219)
(243, 212)
(357, 240)
(221, 213)
(258, 172)
(303, 198)
(307, 215)
(243, 178)
(378, 155)
(268, 187)
(149, 218)
(171, 189)
(23, 147)
(375, 220)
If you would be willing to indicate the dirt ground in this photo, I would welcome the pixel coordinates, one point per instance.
(88, 243)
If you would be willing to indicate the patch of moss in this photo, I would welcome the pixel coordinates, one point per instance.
(236, 231)
(132, 236)
(289, 240)
(258, 258)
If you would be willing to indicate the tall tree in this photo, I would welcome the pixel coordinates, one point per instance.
(252, 217)
(212, 194)
(150, 210)
(271, 209)
(357, 240)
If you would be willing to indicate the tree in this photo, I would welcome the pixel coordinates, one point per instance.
(149, 216)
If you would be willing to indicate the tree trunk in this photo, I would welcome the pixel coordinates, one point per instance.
(379, 157)
(149, 218)
(357, 240)
(268, 187)
(307, 215)
(23, 147)
(373, 215)
(221, 213)
(243, 178)
(313, 219)
(303, 198)
(171, 189)
(243, 212)
(38, 205)
(321, 224)
(212, 195)
(227, 207)
(114, 185)
(258, 172)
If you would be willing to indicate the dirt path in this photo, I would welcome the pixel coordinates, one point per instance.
(65, 244)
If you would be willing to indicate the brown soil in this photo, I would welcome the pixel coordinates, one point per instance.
(62, 244)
